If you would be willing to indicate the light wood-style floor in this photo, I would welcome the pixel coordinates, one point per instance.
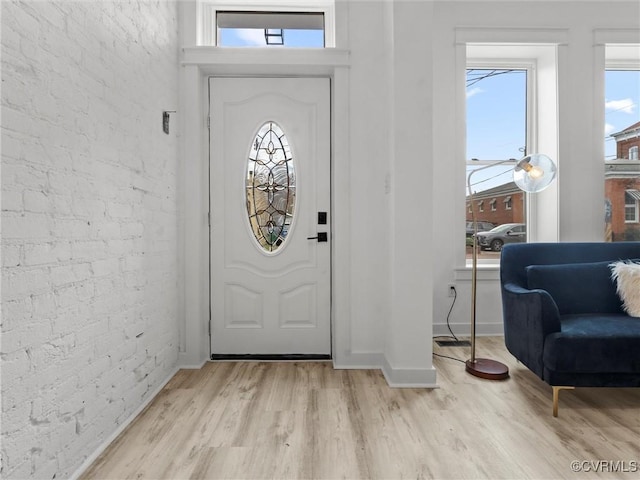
(307, 421)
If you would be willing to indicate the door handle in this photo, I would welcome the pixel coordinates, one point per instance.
(321, 237)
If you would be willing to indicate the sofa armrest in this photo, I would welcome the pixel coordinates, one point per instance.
(529, 316)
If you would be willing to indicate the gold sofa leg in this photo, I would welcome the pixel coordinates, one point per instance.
(556, 395)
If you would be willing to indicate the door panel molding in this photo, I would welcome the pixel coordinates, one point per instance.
(257, 271)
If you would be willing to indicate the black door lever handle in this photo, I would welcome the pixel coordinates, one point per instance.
(321, 237)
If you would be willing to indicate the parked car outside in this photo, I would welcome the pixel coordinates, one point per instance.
(483, 226)
(495, 238)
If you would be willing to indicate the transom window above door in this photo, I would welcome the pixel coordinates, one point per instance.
(268, 29)
(264, 24)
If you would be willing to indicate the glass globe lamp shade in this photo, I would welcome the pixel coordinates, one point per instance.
(534, 173)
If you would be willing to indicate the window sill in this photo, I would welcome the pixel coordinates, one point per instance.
(486, 271)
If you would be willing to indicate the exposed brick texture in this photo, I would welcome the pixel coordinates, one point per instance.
(516, 214)
(618, 229)
(89, 269)
(623, 147)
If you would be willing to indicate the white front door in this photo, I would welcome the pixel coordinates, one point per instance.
(270, 192)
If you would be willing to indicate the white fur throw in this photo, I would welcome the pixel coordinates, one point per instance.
(627, 276)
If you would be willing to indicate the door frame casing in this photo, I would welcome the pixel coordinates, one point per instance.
(198, 65)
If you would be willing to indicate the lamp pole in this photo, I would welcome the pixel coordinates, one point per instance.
(482, 367)
(531, 174)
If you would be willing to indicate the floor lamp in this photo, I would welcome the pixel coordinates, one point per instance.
(531, 174)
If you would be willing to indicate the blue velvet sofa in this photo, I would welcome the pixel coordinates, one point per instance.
(563, 318)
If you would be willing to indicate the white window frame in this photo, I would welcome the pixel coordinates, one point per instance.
(207, 34)
(542, 51)
(493, 203)
(633, 153)
(634, 206)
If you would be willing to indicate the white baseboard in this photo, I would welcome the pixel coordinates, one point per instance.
(192, 367)
(192, 362)
(396, 378)
(359, 361)
(409, 377)
(109, 440)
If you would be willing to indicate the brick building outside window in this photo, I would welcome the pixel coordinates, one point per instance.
(622, 188)
(507, 203)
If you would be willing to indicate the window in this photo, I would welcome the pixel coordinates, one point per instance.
(622, 141)
(497, 130)
(631, 199)
(267, 29)
(265, 23)
(511, 111)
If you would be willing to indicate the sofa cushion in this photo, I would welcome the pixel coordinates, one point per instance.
(627, 277)
(577, 287)
(594, 343)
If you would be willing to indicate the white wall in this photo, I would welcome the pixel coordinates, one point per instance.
(89, 268)
(407, 102)
(370, 95)
(408, 327)
(576, 29)
(405, 67)
(405, 167)
(380, 295)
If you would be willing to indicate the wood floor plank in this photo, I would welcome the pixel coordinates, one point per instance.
(305, 420)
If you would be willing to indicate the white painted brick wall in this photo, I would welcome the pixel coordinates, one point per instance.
(89, 227)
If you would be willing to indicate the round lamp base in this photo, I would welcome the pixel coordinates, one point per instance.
(488, 369)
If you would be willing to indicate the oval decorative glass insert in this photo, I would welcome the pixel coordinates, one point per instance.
(270, 187)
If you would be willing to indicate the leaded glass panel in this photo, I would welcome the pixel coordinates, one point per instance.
(270, 187)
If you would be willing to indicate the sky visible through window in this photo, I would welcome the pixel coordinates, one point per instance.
(622, 99)
(496, 122)
(496, 114)
(254, 37)
(496, 117)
